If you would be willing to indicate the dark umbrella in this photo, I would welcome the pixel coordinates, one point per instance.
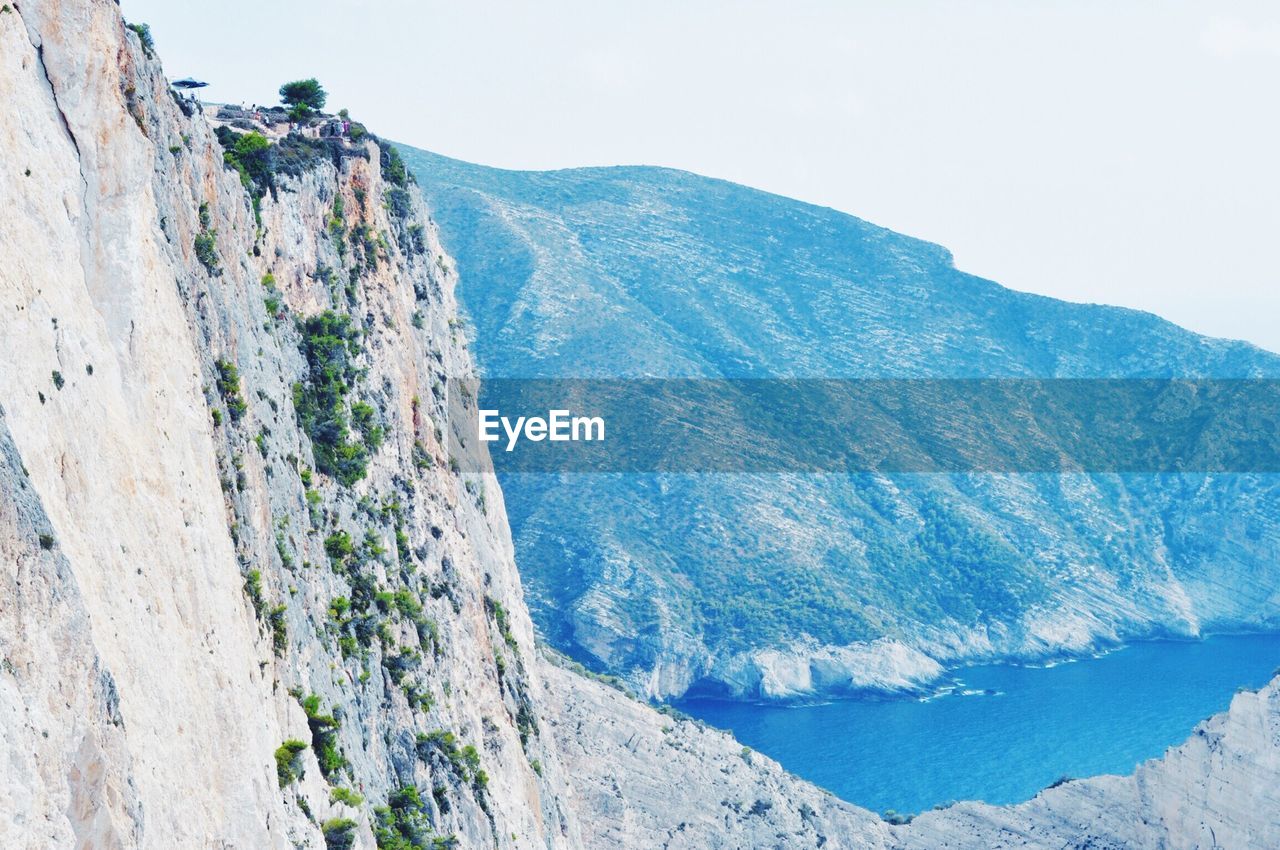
(189, 83)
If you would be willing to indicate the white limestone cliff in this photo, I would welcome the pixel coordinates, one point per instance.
(157, 514)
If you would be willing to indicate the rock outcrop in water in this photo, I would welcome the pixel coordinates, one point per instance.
(245, 603)
(1217, 790)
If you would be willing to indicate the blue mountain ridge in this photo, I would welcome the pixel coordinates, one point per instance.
(784, 584)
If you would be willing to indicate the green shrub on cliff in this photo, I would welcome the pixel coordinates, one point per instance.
(279, 629)
(206, 248)
(346, 797)
(339, 834)
(289, 761)
(143, 32)
(339, 547)
(229, 388)
(463, 761)
(253, 587)
(365, 420)
(393, 167)
(250, 155)
(324, 737)
(405, 824)
(328, 343)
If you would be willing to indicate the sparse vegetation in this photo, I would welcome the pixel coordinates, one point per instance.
(279, 630)
(339, 834)
(253, 587)
(259, 162)
(339, 548)
(206, 242)
(229, 388)
(405, 823)
(417, 239)
(393, 167)
(398, 201)
(346, 797)
(143, 32)
(421, 457)
(401, 664)
(324, 737)
(314, 510)
(58, 381)
(329, 343)
(272, 304)
(502, 620)
(338, 226)
(463, 761)
(296, 154)
(289, 761)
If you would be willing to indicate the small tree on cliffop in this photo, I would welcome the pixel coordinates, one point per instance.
(303, 97)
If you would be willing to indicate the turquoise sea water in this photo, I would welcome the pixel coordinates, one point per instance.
(1003, 732)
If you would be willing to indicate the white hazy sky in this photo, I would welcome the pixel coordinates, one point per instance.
(1119, 152)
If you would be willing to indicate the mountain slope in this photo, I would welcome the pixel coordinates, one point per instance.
(773, 585)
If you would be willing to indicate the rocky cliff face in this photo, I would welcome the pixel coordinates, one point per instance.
(190, 585)
(245, 602)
